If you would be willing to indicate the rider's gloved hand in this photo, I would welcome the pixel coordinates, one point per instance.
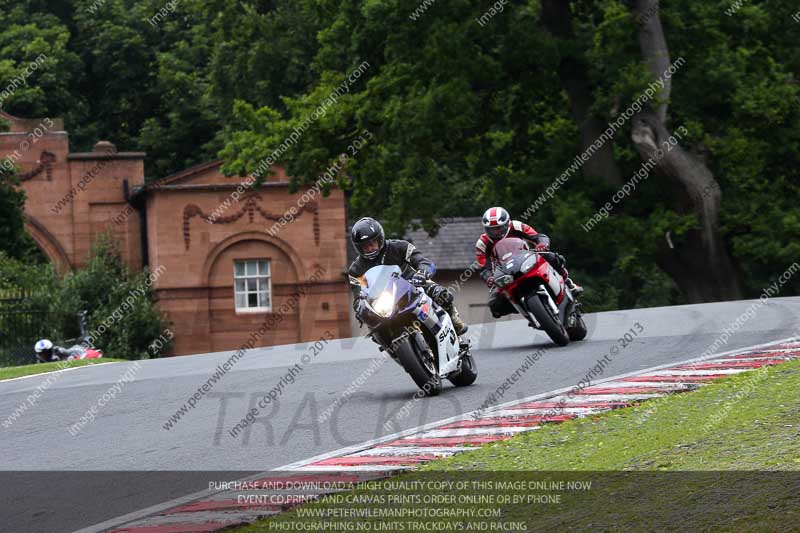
(541, 247)
(419, 278)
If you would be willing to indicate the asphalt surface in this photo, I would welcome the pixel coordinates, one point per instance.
(104, 462)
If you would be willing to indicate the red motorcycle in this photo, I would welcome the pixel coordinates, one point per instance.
(47, 352)
(537, 291)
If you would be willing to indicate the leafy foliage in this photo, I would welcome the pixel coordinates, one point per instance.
(461, 115)
(13, 238)
(122, 319)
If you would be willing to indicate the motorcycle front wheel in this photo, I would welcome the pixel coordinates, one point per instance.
(549, 321)
(468, 373)
(578, 331)
(421, 370)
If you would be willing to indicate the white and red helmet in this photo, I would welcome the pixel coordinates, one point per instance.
(496, 223)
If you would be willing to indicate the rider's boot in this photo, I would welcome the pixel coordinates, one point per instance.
(458, 323)
(445, 298)
(574, 287)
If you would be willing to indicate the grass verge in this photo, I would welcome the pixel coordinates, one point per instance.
(723, 458)
(30, 370)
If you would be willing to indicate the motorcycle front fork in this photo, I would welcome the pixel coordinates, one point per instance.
(544, 294)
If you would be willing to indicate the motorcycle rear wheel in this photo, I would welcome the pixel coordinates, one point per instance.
(548, 320)
(427, 379)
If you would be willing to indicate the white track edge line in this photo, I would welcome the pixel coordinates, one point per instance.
(57, 371)
(136, 515)
(465, 416)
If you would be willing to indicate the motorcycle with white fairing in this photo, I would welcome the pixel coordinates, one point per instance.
(414, 330)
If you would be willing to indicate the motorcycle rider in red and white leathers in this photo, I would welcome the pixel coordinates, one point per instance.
(497, 224)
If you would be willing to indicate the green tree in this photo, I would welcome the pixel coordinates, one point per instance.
(14, 241)
(122, 318)
(37, 65)
(466, 114)
(12, 218)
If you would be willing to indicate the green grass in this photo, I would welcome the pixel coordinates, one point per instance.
(30, 370)
(685, 462)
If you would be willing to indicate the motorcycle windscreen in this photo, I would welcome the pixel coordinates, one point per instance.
(379, 278)
(507, 247)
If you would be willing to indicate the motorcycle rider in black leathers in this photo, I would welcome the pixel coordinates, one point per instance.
(373, 249)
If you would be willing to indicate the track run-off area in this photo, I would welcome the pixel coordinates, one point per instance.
(344, 402)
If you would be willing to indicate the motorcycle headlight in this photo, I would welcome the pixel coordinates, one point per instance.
(528, 263)
(384, 304)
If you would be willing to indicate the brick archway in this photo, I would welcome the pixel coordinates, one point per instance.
(48, 244)
(223, 318)
(284, 246)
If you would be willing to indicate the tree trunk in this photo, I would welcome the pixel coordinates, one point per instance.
(572, 71)
(699, 263)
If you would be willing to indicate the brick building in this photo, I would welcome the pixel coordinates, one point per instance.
(225, 265)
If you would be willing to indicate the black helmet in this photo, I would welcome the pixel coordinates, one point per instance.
(365, 233)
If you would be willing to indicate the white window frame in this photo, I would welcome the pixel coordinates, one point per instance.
(260, 278)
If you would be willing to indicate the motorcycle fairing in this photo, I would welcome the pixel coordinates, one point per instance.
(429, 314)
(553, 291)
(440, 326)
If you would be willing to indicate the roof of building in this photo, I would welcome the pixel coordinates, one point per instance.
(453, 247)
